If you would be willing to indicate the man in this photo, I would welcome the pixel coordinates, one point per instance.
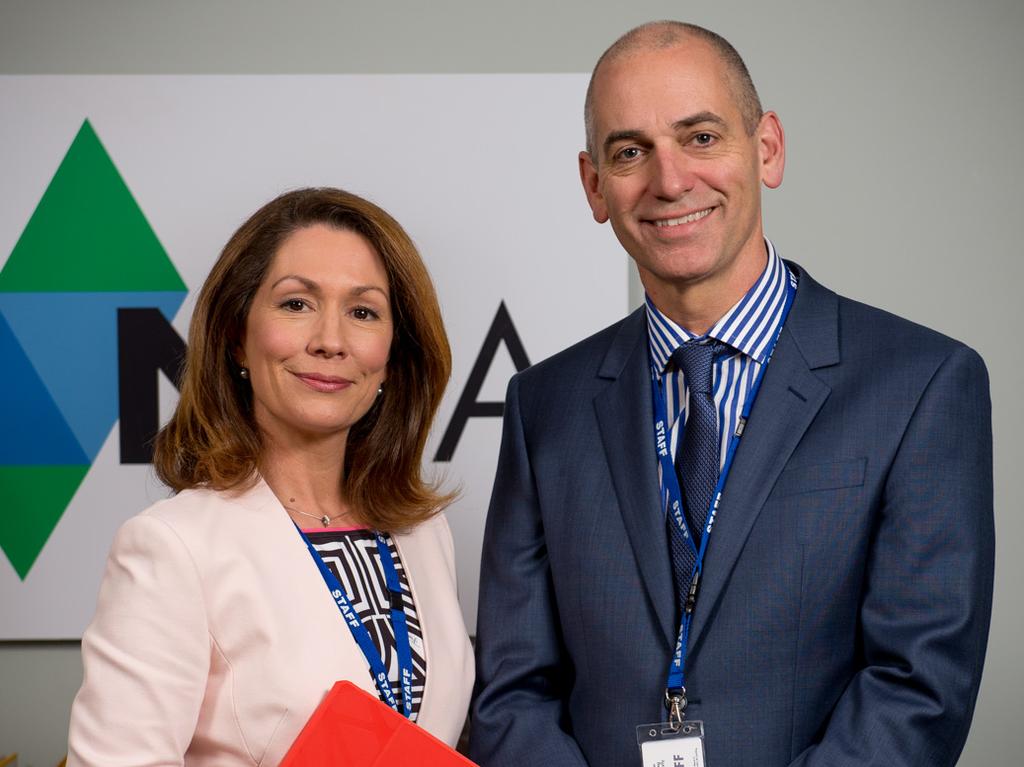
(833, 605)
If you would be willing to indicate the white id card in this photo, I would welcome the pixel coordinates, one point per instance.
(661, 746)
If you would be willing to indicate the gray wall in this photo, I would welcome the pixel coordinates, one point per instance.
(903, 123)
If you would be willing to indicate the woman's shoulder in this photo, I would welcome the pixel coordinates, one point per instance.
(200, 509)
(430, 540)
(435, 526)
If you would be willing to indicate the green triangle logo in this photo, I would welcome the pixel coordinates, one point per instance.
(88, 233)
(35, 498)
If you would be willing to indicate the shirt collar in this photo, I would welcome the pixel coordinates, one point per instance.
(747, 327)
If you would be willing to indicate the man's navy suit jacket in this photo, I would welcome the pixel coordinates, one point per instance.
(845, 603)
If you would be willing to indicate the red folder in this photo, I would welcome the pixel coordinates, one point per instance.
(351, 728)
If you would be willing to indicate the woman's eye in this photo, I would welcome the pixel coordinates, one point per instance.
(294, 305)
(364, 313)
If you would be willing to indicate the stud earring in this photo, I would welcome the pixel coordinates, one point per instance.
(244, 372)
(380, 390)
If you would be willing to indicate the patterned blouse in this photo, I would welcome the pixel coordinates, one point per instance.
(352, 556)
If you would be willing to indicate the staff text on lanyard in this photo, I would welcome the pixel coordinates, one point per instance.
(672, 497)
(362, 635)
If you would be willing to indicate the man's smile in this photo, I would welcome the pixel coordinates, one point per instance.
(689, 218)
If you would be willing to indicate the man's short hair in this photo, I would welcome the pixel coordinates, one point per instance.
(657, 35)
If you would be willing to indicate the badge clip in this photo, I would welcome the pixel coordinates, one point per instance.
(675, 702)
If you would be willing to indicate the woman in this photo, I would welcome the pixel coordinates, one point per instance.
(316, 361)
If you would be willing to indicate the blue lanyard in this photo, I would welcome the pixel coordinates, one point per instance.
(360, 633)
(672, 497)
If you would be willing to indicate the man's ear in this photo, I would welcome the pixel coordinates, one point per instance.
(591, 185)
(771, 142)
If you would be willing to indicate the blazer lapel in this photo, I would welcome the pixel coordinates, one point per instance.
(790, 397)
(323, 632)
(624, 415)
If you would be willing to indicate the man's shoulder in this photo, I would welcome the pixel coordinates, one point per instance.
(869, 332)
(878, 331)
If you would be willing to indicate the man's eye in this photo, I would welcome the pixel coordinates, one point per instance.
(703, 139)
(628, 153)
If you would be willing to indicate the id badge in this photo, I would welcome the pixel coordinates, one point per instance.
(661, 746)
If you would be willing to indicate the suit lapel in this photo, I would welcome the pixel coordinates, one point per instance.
(790, 397)
(624, 415)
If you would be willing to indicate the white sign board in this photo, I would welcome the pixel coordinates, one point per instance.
(480, 169)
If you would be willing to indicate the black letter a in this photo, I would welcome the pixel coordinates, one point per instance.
(501, 329)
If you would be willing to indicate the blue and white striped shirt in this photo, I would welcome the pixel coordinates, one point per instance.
(748, 328)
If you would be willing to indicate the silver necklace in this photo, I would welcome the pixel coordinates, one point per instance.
(324, 520)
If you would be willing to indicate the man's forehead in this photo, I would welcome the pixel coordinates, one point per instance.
(679, 82)
(690, 58)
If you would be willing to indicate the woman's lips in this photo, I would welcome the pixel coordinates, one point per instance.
(323, 383)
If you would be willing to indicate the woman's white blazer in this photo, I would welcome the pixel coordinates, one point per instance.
(215, 637)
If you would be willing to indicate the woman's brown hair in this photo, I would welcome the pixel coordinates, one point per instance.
(213, 441)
